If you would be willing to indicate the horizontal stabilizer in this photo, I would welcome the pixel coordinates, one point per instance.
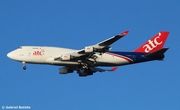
(159, 54)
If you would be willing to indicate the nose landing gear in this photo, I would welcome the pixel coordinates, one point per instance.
(24, 65)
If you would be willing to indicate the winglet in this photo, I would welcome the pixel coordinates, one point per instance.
(114, 69)
(124, 33)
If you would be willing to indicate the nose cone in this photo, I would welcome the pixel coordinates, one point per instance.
(11, 55)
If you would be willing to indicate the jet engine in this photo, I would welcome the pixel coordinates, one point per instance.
(65, 70)
(90, 49)
(66, 57)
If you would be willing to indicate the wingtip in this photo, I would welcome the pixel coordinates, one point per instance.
(114, 68)
(124, 33)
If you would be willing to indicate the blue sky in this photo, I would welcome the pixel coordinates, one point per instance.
(75, 24)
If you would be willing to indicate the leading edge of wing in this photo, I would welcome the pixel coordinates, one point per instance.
(112, 39)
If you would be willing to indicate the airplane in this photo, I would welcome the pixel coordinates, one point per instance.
(90, 59)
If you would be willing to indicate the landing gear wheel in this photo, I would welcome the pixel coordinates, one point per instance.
(24, 67)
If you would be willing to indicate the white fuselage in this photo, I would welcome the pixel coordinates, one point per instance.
(47, 55)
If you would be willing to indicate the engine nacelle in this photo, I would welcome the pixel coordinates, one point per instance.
(66, 57)
(65, 70)
(90, 49)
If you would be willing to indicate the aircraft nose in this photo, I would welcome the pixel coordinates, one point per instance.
(10, 55)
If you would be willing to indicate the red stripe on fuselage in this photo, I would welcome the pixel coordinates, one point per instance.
(120, 56)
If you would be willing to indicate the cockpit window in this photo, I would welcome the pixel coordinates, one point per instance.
(20, 48)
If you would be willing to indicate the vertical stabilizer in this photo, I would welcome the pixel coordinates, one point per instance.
(154, 44)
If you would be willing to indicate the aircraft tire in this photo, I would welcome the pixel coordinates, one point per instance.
(24, 67)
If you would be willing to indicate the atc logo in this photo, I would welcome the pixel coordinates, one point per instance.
(38, 53)
(152, 43)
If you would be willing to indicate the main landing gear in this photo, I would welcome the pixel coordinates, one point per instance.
(24, 65)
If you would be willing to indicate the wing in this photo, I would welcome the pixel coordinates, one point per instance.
(89, 51)
(103, 70)
(112, 39)
(102, 46)
(91, 70)
(84, 72)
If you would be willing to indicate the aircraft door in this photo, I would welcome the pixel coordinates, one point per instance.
(29, 54)
(134, 57)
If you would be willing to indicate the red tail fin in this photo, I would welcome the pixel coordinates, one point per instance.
(154, 44)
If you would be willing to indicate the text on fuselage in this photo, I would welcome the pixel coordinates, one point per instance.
(38, 53)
